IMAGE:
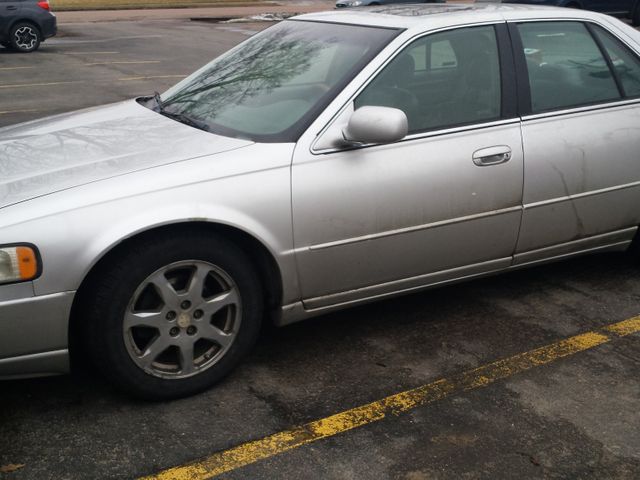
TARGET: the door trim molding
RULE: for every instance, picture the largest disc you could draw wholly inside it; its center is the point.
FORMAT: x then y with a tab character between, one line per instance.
576	196
416	228
406	285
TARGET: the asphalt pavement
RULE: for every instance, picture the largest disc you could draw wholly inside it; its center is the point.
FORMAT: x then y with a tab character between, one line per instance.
529	374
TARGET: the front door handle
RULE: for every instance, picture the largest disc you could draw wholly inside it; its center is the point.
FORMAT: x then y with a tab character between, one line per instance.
492	155
12	7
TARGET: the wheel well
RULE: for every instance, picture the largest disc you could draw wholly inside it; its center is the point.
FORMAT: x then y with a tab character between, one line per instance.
262	259
26	20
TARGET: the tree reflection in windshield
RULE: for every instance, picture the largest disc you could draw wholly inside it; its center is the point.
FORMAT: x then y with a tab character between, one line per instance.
266	87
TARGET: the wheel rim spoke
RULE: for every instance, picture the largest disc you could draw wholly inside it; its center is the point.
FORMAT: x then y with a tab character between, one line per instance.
220	301
143	319
153	350
196	283
186	357
213	333
169	296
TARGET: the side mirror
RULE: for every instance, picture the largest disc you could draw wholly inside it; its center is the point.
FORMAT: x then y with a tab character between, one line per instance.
372	124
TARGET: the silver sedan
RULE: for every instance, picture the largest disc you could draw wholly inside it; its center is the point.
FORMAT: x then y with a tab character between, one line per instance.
333	159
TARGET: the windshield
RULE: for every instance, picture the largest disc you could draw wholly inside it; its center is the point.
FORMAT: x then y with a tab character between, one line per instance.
270	87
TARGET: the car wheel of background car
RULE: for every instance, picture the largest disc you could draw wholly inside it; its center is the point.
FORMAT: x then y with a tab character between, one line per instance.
24	37
171	317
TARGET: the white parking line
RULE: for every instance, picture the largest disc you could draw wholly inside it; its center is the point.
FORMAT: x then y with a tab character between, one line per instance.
138	62
132	79
8	112
90	53
16	68
49	84
64	41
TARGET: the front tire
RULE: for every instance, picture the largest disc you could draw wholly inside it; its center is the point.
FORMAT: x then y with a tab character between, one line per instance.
24	37
173	316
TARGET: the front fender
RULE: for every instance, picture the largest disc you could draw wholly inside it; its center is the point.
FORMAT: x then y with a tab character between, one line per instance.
73	230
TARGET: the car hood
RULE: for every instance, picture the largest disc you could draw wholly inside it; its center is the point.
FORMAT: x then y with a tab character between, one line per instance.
46	156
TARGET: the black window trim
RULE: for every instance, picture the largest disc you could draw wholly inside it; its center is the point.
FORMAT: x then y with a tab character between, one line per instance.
607	59
524	89
508	74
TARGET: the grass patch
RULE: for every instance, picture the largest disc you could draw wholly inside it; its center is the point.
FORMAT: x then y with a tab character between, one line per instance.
68	5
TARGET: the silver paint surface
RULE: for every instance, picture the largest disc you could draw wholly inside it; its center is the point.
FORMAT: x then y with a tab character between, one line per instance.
343	226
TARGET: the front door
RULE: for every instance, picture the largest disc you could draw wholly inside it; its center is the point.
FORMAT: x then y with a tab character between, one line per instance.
443	203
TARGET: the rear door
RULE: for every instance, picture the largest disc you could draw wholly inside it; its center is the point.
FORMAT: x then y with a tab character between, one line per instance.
8	11
581	139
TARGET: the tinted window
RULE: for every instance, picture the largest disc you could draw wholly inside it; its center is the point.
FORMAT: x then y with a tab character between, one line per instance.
271	86
565	66
442	80
625	62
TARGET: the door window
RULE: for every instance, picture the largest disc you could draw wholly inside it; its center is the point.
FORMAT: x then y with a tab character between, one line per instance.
446	79
565	66
625	63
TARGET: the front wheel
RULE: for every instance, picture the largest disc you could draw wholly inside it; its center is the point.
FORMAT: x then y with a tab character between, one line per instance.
24	37
171	317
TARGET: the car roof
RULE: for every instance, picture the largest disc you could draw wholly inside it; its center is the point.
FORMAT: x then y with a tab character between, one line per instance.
442	15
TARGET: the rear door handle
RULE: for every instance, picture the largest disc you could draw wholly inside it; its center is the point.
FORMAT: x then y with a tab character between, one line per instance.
12	7
492	155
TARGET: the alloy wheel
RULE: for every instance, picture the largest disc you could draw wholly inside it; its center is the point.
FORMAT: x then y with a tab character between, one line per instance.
182	319
25	38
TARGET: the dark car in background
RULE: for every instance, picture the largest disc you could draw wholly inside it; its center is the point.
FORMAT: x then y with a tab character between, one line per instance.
24	24
619	8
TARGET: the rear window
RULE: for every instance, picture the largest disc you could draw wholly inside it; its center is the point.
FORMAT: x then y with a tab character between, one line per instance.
624	61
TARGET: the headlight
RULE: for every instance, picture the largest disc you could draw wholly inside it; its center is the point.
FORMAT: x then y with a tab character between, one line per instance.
18	263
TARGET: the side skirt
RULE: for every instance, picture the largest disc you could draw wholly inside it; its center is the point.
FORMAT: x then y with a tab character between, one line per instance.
618	241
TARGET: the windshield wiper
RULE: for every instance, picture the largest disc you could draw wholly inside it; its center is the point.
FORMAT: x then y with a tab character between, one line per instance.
159	103
178	117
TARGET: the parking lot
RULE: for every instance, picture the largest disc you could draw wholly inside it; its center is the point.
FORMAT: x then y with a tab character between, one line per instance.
95	63
529	374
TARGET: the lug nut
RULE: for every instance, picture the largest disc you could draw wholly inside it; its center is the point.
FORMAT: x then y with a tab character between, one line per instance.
198	314
171	315
174	331
185	305
191	330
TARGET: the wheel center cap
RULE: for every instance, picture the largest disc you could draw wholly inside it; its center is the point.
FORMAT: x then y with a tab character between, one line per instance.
184	320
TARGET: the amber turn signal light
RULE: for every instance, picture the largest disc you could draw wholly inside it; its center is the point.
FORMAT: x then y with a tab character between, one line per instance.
18	263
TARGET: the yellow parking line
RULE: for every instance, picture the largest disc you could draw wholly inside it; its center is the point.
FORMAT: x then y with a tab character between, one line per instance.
7	112
133	79
137	62
49	84
16	68
483	376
